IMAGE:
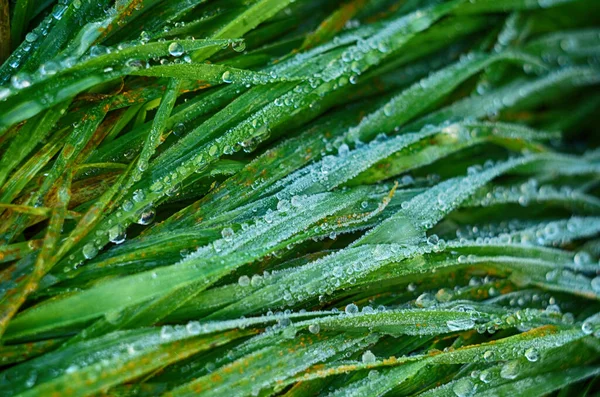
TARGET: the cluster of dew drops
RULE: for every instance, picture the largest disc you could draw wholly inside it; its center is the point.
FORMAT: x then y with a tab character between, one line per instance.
175	49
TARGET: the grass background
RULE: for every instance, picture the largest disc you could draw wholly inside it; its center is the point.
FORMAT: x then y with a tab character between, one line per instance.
299	198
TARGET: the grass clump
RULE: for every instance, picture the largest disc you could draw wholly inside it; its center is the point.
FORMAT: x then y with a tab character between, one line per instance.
299	198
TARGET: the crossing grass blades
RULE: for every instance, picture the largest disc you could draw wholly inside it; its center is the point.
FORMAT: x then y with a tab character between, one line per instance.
299	198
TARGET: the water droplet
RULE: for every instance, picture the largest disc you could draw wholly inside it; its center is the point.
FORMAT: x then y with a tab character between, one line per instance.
587	327
596	284
166	332
368	357
193	328
510	370
433	239
146	216
175	49
127	205
489	355
138	195
582	258
4	93
314	328
244	281
343	150
227	233
20	80
89	251
144	37
256	280
425	300
31	37
532	355
459	325
351	309
238	46
463	388
116	234
226	77
296	201
485	376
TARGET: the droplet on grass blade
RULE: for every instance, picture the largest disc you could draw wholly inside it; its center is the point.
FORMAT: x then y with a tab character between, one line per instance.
175	49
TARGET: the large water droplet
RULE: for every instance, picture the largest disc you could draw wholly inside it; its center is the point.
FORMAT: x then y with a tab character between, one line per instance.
463	388
368	357
238	46
510	370
226	77
461	324
244	281
146	216
532	354
89	251
351	309
175	49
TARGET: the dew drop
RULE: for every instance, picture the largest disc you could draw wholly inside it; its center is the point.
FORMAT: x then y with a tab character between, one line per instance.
596	284
510	370
587	327
175	49
31	37
144	37
256	280
116	234
368	357
459	325
485	376
138	195
532	355
463	388
227	233
146	216
433	239
425	300
351	309
226	77
193	328
89	251
582	258
20	80
166	332
4	93
244	281
238	46
314	328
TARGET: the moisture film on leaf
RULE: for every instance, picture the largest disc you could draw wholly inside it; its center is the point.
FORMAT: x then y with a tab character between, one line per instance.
299	198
